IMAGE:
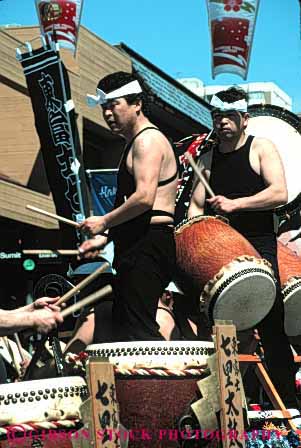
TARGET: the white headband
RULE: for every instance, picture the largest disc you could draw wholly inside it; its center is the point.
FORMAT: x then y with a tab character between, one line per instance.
241	105
102	97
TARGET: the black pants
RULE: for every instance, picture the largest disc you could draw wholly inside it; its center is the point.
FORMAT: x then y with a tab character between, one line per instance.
277	351
103	331
143	272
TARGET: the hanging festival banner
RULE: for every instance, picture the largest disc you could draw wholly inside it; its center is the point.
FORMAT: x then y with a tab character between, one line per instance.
232	24
103	187
60	18
50	93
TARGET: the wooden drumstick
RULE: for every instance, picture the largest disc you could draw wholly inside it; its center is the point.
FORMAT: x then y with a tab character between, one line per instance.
65	252
89	300
82	284
19	346
199	174
92	298
58	218
11	352
52	215
50	251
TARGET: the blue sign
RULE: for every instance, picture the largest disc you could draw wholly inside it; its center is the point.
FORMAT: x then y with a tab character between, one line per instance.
103	191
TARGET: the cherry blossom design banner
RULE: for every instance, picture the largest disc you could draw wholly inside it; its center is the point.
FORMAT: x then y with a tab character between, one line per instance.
232	24
60	18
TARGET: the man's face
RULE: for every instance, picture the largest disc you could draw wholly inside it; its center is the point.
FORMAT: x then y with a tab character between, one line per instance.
230	124
119	115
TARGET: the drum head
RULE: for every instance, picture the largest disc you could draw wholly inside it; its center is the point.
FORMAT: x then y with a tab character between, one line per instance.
283	129
244	302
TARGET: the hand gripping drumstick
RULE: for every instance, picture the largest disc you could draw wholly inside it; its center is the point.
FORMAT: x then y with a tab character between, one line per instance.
89	300
57	217
199	174
74	290
82	284
92	298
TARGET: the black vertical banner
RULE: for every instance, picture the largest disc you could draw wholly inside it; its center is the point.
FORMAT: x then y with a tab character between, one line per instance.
49	90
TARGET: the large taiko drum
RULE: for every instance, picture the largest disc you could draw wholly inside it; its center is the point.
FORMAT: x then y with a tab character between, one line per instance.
42	400
233	281
283	128
31	410
156	381
289	265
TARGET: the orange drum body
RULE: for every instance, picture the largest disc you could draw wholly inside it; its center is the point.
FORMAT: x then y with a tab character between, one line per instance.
234	282
290	278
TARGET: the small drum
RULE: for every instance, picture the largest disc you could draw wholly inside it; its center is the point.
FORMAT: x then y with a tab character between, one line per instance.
283	128
235	283
41	400
155	383
289	265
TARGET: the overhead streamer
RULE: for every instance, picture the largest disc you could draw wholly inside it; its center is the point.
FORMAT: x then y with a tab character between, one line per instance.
60	18
232	24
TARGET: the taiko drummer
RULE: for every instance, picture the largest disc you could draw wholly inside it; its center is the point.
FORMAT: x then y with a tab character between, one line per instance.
247	177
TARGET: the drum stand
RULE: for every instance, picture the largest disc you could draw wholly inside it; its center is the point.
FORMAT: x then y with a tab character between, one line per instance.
57	354
266	382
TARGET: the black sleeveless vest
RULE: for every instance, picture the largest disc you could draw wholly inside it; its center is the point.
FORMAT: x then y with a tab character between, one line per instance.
233	177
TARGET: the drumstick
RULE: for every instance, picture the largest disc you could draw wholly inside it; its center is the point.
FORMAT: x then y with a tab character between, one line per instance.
50	251
19	346
11	352
199	174
58	218
82	284
52	215
92	298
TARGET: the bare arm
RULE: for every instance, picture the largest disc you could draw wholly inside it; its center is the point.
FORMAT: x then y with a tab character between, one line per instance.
198	197
39	303
147	156
271	169
42	320
197	202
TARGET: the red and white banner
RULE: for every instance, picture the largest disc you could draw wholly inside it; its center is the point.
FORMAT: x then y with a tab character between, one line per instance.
232	24
60	18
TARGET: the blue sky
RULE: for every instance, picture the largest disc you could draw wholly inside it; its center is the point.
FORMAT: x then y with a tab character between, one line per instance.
174	35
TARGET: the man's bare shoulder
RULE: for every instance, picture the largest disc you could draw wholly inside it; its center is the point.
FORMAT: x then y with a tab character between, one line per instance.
262	142
264	146
151	138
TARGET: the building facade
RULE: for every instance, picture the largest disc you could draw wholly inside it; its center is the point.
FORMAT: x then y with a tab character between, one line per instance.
258	92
